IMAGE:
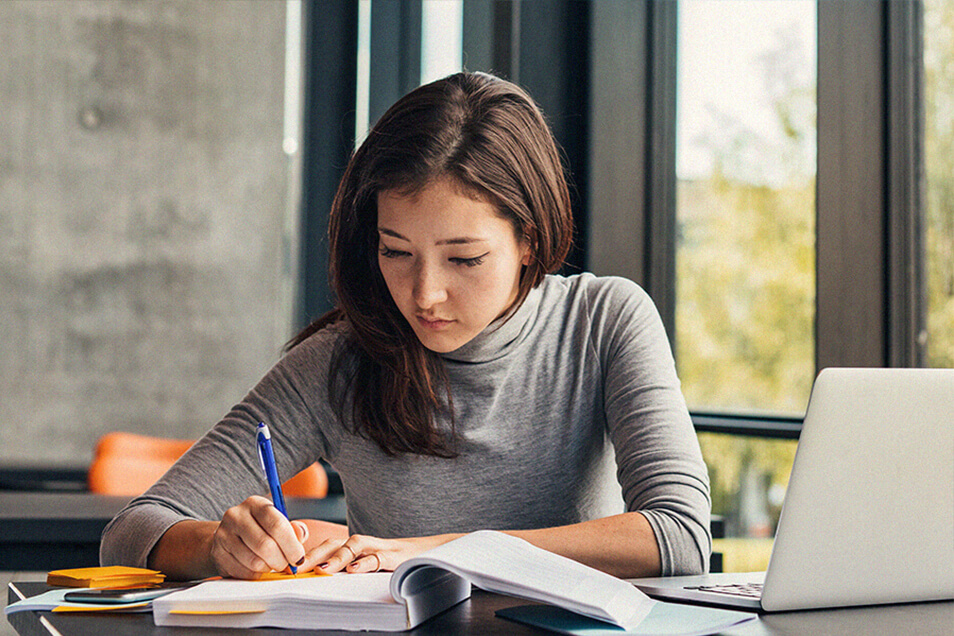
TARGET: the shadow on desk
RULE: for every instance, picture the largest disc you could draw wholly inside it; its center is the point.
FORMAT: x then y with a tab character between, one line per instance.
923	619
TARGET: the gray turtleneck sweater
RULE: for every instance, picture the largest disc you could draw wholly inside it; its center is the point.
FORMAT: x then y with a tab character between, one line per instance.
568	411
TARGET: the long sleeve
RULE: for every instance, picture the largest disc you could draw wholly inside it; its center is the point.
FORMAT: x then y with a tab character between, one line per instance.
659	462
222	469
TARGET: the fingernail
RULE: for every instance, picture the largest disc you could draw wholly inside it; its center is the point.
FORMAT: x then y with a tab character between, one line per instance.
300	561
323	566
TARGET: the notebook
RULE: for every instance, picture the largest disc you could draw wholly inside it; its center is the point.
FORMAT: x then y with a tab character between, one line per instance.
868	517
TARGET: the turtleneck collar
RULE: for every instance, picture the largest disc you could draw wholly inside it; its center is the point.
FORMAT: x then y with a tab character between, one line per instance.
500	336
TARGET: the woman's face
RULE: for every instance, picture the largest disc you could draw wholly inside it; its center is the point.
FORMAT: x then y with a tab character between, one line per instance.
451	263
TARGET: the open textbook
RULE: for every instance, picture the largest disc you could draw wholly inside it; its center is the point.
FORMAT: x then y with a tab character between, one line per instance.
418	589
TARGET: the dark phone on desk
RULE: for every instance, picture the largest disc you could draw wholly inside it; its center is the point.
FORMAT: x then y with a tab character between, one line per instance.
108	595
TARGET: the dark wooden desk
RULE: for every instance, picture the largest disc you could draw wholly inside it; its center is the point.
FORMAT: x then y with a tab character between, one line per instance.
49	531
476	616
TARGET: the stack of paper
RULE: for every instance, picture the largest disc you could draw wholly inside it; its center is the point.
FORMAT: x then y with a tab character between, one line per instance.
111	576
341	601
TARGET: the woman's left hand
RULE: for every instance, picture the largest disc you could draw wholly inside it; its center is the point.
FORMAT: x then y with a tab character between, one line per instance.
362	553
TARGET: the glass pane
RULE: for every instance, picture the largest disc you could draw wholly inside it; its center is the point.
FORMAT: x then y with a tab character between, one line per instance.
748	478
362	97
939	164
146	267
746	244
442	27
745	204
441	51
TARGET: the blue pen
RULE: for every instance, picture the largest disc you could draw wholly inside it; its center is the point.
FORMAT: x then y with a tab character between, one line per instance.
264	439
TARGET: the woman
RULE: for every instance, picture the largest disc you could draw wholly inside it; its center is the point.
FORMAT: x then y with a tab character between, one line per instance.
458	385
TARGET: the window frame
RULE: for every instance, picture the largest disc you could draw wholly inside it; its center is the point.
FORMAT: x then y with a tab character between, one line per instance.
329	88
869	303
609	89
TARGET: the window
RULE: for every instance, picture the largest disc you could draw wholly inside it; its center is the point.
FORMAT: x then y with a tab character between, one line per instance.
439	47
851	251
939	169
745	163
745	250
754	165
748	478
441	38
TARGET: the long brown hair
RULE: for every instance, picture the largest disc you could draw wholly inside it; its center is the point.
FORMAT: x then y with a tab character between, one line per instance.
488	136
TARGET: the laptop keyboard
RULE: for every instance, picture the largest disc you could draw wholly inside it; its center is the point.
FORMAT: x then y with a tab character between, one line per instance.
747	590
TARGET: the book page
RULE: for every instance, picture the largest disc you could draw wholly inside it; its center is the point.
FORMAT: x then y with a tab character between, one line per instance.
501	563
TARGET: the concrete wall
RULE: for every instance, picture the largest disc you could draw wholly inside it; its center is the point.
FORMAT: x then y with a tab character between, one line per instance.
144	270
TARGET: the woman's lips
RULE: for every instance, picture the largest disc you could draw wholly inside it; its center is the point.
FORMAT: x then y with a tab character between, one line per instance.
433	323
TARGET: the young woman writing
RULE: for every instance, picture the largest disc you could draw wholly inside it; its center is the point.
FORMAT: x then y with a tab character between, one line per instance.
458	385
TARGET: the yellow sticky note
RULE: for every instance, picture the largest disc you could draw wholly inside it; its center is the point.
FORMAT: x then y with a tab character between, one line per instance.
109	576
100	608
280	576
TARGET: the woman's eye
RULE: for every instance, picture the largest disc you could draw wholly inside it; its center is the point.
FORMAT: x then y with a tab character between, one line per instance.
387	252
469	262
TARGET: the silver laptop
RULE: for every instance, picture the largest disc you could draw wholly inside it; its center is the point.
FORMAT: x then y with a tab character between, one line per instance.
868	517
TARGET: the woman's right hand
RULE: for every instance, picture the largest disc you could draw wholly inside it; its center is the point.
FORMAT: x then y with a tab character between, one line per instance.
254	538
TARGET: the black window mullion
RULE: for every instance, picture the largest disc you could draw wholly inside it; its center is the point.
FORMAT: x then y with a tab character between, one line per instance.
905	176
660	198
870	309
329	89
632	148
851	187
395	53
619	140
491	37
552	63
765	426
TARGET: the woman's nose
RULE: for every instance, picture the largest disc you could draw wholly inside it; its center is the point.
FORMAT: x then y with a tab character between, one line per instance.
429	287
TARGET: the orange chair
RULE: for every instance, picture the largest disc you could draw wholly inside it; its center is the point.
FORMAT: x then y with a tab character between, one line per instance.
127	464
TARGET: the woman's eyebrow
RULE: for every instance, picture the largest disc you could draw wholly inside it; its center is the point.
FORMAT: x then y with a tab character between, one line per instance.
462	240
386	231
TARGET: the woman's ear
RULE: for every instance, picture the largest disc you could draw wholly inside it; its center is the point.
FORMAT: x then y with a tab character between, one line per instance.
527	250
